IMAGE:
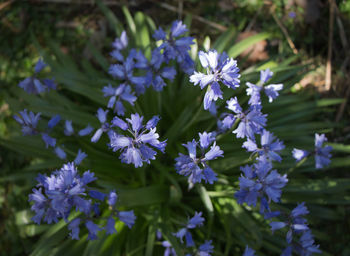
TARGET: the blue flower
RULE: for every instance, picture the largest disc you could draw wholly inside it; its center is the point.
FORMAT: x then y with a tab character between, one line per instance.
220	68
322	154
93	230
117	96
53	121
121	42
296	223
196	168
169	250
156	74
136	149
271	90
49	141
105	127
196	221
34	85
206	249
176	47
308	246
73	226
28	122
251	122
124	72
128	217
86	131
299	154
63	190
112	198
248	251
80	157
259	181
269	146
60	153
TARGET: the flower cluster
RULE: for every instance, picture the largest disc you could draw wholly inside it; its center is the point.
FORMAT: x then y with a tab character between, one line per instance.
297	227
259	181
271	90
251	122
322	154
176	46
65	191
197	168
220	68
34	85
56	196
136	149
29	122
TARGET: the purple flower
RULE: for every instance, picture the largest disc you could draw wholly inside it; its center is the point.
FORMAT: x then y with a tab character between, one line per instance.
80	157
299	154
49	141
86	131
271	90
102	117
175	46
68	128
220	68
206	249
259	181
136	149
34	85
269	146
93	230
196	167
110	226
73	226
117	96
251	122
28	122
124	72
248	251
196	221
169	250
121	42
322	154
60	153
53	121
128	217
156	74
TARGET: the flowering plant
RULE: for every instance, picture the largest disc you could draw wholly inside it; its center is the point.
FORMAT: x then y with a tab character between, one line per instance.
148	109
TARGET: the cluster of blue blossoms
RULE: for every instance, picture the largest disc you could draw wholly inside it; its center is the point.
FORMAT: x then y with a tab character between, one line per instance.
197	168
56	196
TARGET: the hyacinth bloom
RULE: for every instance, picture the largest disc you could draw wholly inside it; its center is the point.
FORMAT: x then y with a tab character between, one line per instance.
297	226
206	249
196	221
156	74
248	251
259	181
138	148
28	122
57	194
105	127
271	90
220	68
176	46
196	167
322	154
117	96
34	85
269	146
251	122
121	42
124	72
299	154
64	191
295	222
